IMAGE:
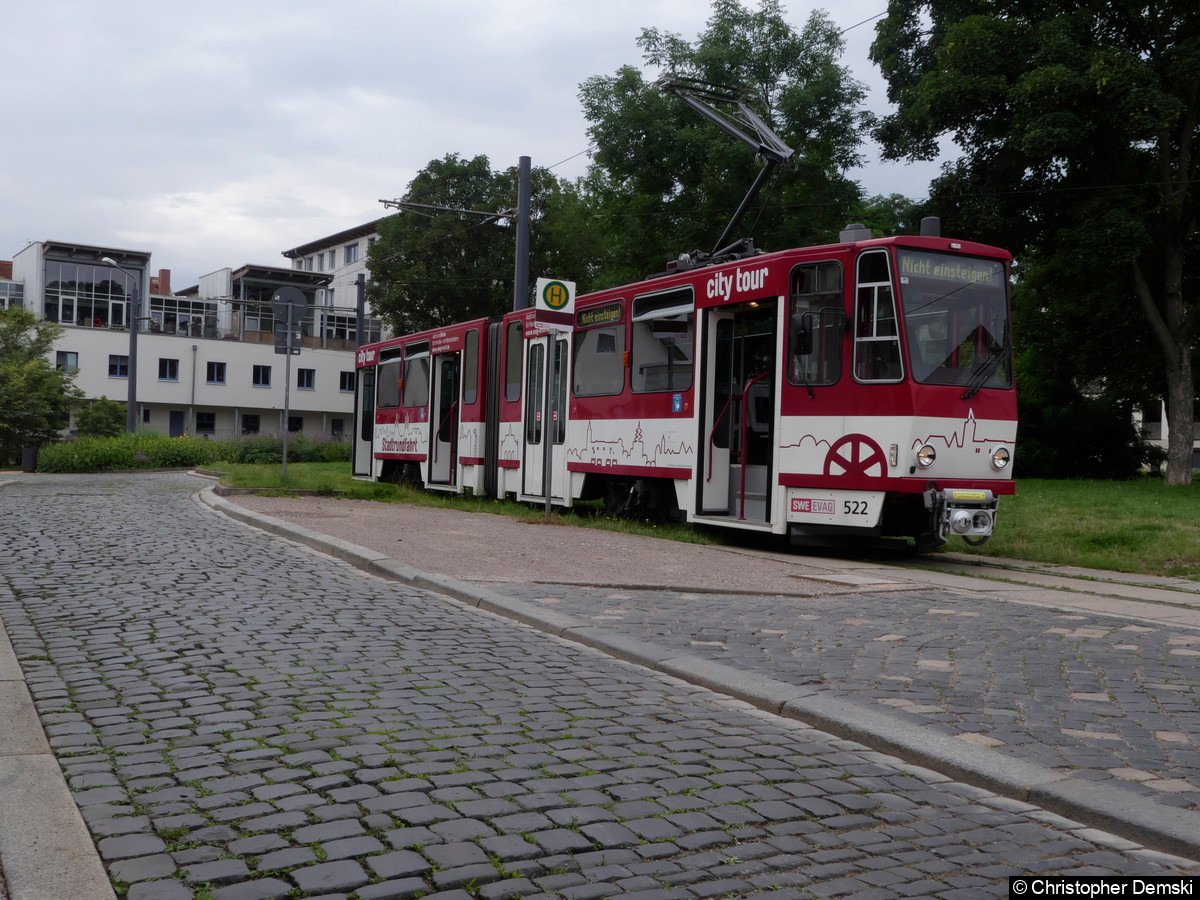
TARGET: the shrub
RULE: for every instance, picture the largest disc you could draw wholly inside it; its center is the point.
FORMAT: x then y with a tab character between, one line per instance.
87	455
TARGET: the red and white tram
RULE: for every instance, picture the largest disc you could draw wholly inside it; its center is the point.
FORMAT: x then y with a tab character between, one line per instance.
859	388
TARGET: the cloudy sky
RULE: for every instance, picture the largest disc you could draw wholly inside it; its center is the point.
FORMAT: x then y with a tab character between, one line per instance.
220	133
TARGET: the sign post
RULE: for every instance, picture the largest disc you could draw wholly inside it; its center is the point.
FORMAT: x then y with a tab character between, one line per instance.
554	308
290	305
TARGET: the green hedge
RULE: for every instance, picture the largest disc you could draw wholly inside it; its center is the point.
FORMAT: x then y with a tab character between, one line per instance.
147	450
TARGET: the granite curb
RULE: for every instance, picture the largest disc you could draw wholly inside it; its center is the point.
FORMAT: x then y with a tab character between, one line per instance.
1113	809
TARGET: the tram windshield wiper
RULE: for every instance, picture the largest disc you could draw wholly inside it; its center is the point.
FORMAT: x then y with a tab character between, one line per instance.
985	369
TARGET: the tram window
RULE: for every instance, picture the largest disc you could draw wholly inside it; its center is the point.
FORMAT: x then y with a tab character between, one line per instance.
512	361
816	324
661	357
876	336
599	367
416	374
471	367
388	396
661	341
955	318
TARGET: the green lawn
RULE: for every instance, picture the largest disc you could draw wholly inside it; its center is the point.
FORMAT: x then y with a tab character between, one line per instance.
1126	526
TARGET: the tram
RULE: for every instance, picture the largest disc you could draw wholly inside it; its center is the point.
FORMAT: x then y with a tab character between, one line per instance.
860	388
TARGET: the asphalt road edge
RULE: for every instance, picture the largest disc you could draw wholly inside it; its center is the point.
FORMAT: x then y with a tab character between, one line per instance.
1110	808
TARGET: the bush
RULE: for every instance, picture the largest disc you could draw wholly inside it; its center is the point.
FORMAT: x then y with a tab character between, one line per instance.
87	455
101	418
143	450
268	448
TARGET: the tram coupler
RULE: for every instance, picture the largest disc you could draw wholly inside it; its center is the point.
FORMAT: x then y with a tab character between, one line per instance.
967	513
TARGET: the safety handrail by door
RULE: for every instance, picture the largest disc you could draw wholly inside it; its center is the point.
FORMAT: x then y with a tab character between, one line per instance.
449	414
712	434
745	397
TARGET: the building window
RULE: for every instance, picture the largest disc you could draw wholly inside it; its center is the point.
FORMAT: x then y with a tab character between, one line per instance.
295	423
262	376
168	369
216	373
337	427
249	424
332	260
67	361
306	379
351	254
346	383
206	423
118	366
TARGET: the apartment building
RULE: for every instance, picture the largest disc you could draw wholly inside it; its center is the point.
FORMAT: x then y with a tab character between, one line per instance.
204	360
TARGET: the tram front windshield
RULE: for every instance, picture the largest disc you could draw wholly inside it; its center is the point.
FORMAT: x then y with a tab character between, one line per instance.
956	319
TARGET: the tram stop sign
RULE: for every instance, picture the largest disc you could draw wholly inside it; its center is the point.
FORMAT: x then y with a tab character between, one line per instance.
288	304
555	303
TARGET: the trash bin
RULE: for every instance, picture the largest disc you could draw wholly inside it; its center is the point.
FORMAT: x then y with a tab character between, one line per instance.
29	459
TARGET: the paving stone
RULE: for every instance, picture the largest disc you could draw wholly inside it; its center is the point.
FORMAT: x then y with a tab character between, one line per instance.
221	871
159	890
286	859
130	845
343	875
400	889
258	889
399	863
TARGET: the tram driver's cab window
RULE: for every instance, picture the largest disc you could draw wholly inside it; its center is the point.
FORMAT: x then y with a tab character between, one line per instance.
876	335
816	324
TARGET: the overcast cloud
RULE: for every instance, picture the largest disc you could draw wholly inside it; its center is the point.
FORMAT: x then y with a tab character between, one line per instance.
220	133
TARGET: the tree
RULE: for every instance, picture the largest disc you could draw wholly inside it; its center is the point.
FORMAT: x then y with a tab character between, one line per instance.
1079	125
101	418
665	181
35	397
439	262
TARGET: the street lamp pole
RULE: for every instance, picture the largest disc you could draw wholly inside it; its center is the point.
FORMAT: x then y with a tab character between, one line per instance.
131	399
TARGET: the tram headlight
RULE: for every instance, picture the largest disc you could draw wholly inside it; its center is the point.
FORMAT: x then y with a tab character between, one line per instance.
926	456
1000	458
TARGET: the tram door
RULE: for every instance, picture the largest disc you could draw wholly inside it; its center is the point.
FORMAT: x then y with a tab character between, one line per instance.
540	425
364	419
443	435
738	425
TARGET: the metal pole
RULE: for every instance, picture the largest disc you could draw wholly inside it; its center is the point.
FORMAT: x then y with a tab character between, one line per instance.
131	417
521	271
360	315
131	422
548	431
287	387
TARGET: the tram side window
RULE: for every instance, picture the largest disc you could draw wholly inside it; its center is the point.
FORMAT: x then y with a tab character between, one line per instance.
513	346
816	323
388	396
876	337
599	362
661	341
471	367
416	374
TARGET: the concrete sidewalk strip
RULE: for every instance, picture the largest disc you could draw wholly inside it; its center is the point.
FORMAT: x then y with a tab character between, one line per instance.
1104	806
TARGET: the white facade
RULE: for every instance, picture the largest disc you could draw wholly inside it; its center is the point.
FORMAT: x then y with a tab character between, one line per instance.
342	256
206	360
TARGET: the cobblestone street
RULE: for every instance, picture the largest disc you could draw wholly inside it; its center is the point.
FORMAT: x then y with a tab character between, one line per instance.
240	718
